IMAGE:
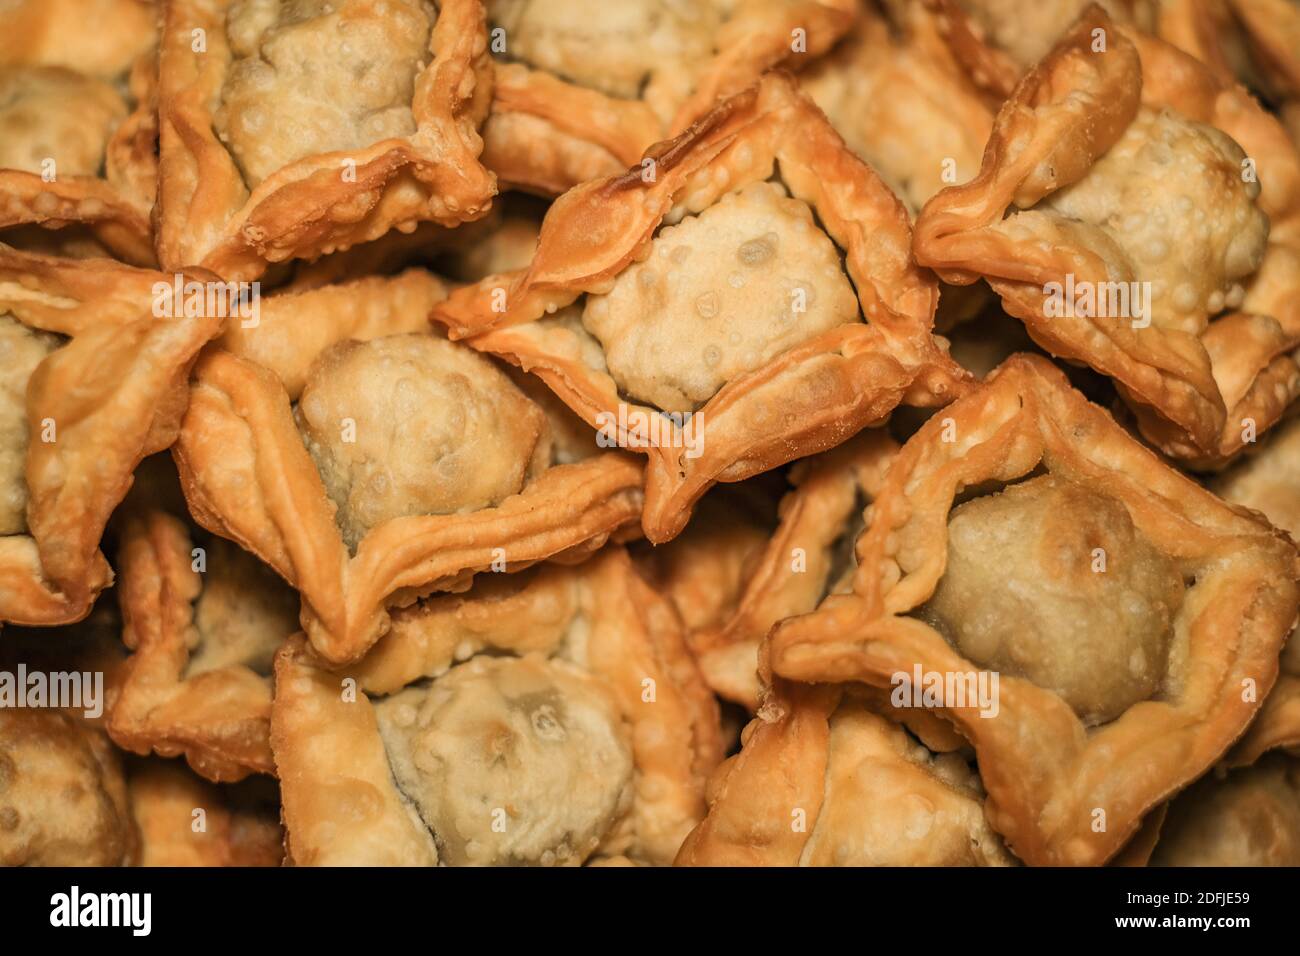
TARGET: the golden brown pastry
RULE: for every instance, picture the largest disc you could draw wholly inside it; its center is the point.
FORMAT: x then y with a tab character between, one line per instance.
823	780
63	799
902	104
369	464
303	128
699	314
1273	29
1099	157
1269	482
807	556
186	821
203	620
552	718
78	139
1098	626
94	380
95	37
583	88
997	41
1248	817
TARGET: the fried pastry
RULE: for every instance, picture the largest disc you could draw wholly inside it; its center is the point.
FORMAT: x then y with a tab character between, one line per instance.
203	620
1095	162
184	820
300	129
94	382
63	798
369	464
584	88
731	340
1248	817
553	717
809	555
1273	31
998	41
1269	482
77	138
706	570
1130	619
902	104
822	780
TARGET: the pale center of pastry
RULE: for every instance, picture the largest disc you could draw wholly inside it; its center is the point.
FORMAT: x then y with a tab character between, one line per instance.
1171	195
61	793
242	615
511	760
925	810
51	114
411	425
1027	29
1251	818
611	47
319	76
719	295
1051	581
21	350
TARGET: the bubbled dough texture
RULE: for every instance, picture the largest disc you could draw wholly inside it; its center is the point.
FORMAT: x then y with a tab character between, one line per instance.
62	798
21	350
53	113
438	430
719	296
1020	595
612	47
1250	818
1170	195
538	739
877	813
242	615
319	76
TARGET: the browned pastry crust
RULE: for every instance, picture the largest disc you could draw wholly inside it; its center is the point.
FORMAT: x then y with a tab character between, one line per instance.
1060	791
821	780
1137	852
597	624
808	398
63	798
191	686
113	394
997	41
207	213
798	565
59	55
239	825
546	134
1269	482
1248	817
1273	27
902	104
248	476
1200	388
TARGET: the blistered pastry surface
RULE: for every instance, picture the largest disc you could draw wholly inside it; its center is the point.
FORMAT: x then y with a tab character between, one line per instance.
721	293
1172	196
319	76
412	424
511	761
1051	581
